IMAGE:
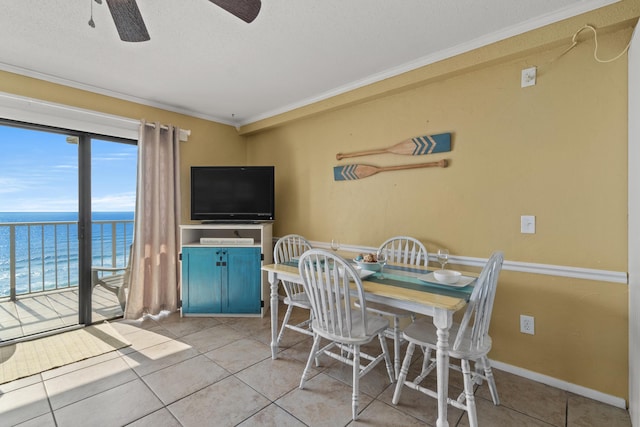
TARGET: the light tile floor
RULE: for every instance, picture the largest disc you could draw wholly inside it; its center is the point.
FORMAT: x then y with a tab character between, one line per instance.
218	372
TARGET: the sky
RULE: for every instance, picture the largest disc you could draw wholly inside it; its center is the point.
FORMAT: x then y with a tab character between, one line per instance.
39	173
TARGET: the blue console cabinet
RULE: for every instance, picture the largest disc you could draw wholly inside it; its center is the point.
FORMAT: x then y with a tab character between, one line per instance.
221	280
221	273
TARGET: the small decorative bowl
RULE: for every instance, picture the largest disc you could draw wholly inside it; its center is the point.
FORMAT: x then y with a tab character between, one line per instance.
447	276
371	266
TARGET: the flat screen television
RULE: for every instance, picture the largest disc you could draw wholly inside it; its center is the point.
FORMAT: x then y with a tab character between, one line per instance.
233	193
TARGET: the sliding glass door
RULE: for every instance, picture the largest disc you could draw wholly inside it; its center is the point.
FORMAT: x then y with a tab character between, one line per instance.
50	236
113	190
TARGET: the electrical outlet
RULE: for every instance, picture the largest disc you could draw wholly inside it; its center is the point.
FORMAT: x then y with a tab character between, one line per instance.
528	77
527	324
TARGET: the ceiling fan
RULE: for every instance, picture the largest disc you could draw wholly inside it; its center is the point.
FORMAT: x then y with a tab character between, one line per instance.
130	24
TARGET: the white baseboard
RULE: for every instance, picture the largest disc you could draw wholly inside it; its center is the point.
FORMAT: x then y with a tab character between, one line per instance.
616	401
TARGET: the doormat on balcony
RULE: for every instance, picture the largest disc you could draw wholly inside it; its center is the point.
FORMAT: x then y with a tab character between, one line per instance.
31	357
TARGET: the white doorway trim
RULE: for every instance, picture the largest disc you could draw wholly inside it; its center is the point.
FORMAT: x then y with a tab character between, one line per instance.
31	110
634	228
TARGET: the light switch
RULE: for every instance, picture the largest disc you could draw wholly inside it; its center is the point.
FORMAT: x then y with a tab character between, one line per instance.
527	224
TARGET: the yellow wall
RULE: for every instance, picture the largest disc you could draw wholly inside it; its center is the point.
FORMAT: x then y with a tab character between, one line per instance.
556	150
210	143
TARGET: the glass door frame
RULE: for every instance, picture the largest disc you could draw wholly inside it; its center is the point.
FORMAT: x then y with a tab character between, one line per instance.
84	206
84	230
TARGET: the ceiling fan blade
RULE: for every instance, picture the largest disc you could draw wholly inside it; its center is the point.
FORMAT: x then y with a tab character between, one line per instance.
247	10
128	20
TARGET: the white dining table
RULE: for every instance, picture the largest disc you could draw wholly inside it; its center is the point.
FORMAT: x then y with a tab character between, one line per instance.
423	301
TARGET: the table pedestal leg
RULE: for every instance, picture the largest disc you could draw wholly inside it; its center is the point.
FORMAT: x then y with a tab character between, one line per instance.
274	315
443	320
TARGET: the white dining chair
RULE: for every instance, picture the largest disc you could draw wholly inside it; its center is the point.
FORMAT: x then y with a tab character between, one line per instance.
472	343
332	284
403	250
286	248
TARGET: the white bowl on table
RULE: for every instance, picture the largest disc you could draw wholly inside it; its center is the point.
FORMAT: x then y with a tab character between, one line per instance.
371	266
447	276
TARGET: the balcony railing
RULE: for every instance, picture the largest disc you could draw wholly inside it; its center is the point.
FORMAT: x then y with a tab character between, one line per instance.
43	256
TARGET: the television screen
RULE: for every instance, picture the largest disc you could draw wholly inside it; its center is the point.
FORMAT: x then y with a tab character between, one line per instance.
232	193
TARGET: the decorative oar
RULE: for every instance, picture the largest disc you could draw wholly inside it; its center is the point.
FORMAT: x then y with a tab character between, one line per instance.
351	172
417	146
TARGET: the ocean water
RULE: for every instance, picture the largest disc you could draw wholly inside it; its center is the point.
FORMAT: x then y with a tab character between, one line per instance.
46	247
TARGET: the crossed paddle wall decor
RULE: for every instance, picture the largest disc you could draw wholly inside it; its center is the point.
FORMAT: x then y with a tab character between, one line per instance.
417	146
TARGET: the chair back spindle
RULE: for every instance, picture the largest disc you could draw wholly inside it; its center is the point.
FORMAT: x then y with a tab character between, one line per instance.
286	248
405	250
327	279
480	306
289	246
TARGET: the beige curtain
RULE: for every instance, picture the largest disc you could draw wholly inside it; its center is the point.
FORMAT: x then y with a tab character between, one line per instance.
154	283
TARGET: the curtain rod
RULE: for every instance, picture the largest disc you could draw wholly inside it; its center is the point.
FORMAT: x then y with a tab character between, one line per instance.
184	133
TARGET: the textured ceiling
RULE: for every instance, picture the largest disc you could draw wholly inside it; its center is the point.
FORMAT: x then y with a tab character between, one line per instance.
205	62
